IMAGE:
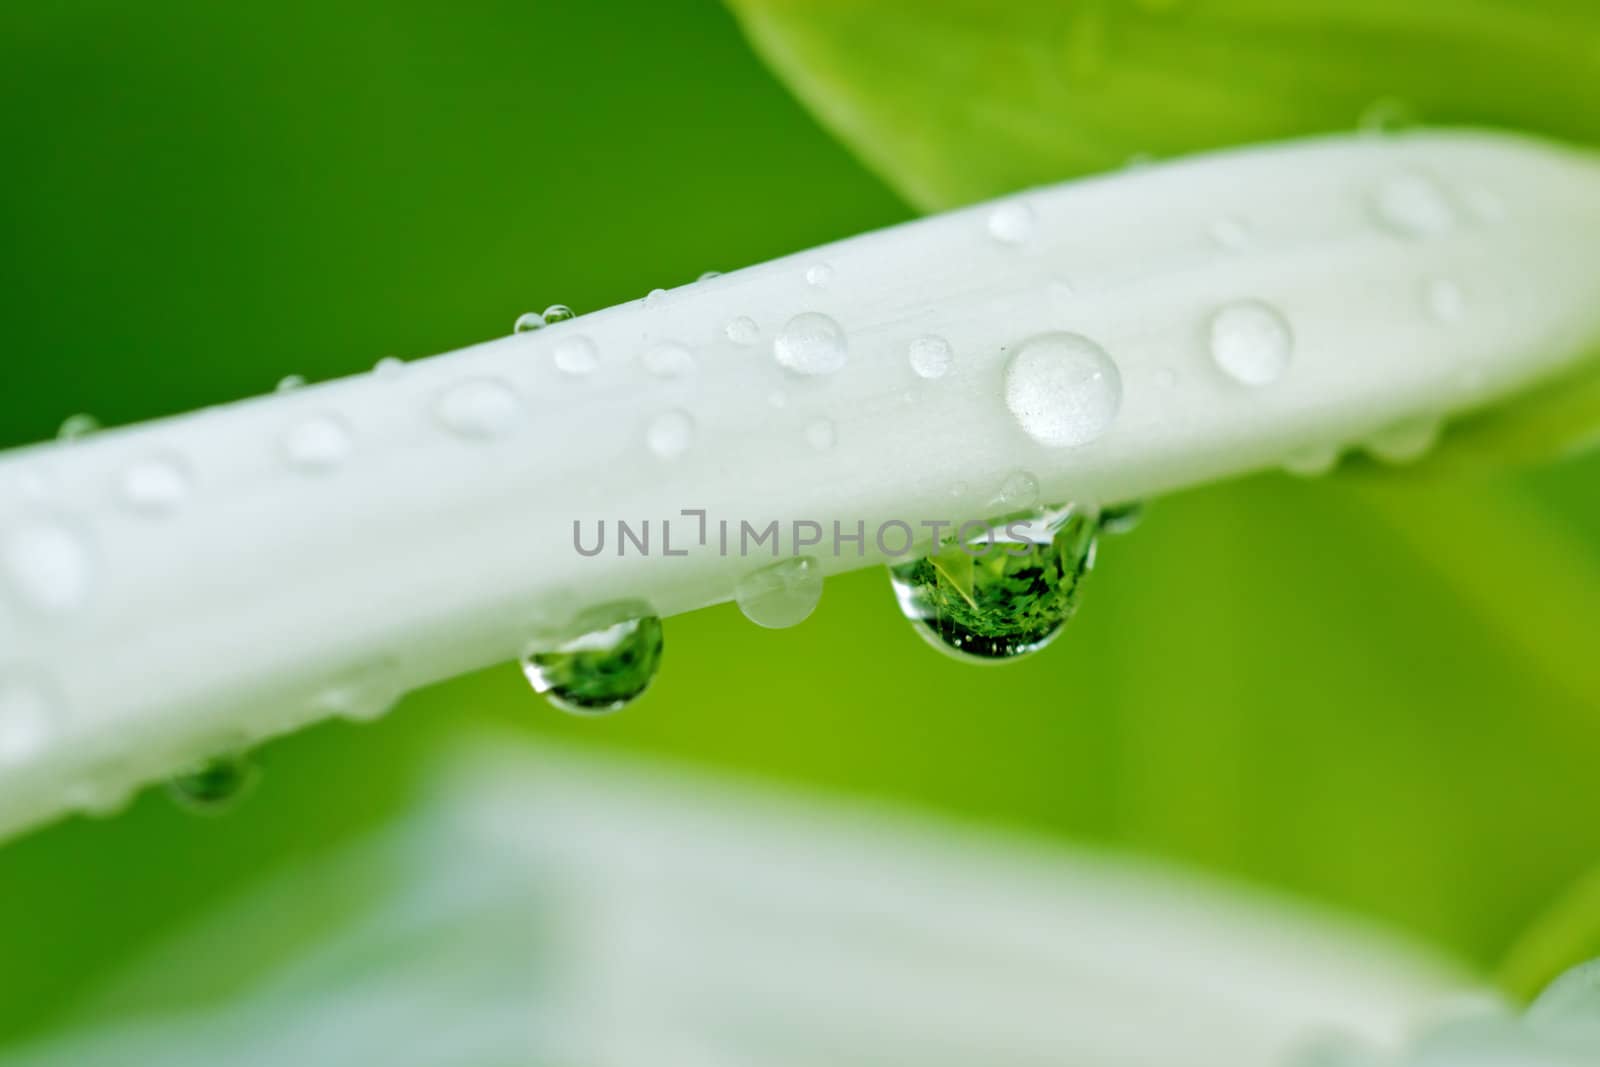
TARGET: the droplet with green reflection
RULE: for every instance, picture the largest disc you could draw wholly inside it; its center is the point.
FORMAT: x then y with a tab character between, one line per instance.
606	660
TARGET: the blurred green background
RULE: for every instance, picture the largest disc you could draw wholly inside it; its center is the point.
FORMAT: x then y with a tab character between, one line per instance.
1371	693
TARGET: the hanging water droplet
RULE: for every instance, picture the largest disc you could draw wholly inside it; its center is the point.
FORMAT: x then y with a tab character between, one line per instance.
288	383
781	595
811	344
1404	442
608	660
362	693
1312	461
820	434
1019	490
1387	116
30	715
670	434
1413	205
742	330
669	359
480	409
576	355
527	322
1063	389
214	786
557	313
389	367
76	427
1231	234
1122	518
49	566
931	356
1445	300
155	486
819	275
317	445
1251	342
1012	223
1003	595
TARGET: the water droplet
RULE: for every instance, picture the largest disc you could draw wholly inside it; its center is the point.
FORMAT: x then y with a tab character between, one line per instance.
781	595
317	444
1012	223
1231	234
1063	389
1387	116
527	322
155	486
214	786
819	275
608	662
669	359
1122	518
1019	490
1312	461
742	330
1251	342
30	714
1445	300
654	297
49	566
1413	205
480	409
363	693
811	344
76	427
389	367
820	434
931	356
708	275
289	383
558	313
1003	595
670	434
1404	442
576	355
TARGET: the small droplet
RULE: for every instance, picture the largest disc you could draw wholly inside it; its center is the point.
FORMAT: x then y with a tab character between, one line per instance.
362	693
669	359
557	313
317	444
1231	234
527	322
654	297
931	356
155	486
49	566
1063	389
820	434
1387	116
30	714
1020	490
708	275
1445	300
1251	342
576	356
214	786
1404	442
819	275
76	427
389	367
1413	205
742	330
1012	223
480	409
1312	461
289	383
1122	518
608	662
811	344
670	434
781	595
1003	595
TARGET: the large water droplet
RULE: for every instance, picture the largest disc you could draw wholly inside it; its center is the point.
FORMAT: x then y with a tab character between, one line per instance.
669	359
1413	205
30	714
49	566
819	275
214	786
481	409
742	330
811	343
317	444
76	427
1012	223
1002	595
1251	342
155	486
781	595
1063	389
670	434
557	313
1445	300
931	356
608	660
576	355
